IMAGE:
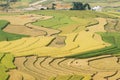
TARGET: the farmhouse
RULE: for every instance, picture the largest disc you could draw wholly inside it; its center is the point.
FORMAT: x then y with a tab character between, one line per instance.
97	8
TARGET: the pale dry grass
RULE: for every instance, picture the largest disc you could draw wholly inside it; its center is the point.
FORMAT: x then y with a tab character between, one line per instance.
29	64
28	42
21	19
99	27
42	41
86	42
48	66
115	76
102	75
104	63
12	44
19	62
55	64
18	75
38	65
74	43
4	44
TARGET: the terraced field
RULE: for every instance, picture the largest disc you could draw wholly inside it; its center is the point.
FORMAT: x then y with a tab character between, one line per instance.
7	36
43	68
60	46
74	43
23	25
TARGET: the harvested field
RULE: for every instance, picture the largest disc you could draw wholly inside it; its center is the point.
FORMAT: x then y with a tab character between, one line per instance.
24	30
22	24
54	46
43	68
99	27
62	46
49	31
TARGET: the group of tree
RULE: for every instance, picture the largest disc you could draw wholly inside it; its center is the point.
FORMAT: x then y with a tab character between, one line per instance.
80	6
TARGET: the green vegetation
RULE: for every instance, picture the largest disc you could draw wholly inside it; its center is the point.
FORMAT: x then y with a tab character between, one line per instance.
57	21
111	37
76	77
63	18
62	77
1	55
6	63
5	35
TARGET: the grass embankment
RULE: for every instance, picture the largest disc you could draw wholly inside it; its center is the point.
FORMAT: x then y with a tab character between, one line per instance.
6	63
7	36
113	38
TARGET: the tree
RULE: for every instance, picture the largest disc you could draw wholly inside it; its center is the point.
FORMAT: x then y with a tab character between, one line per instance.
80	6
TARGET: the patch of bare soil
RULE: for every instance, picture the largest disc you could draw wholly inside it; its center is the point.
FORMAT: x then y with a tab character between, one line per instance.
59	41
